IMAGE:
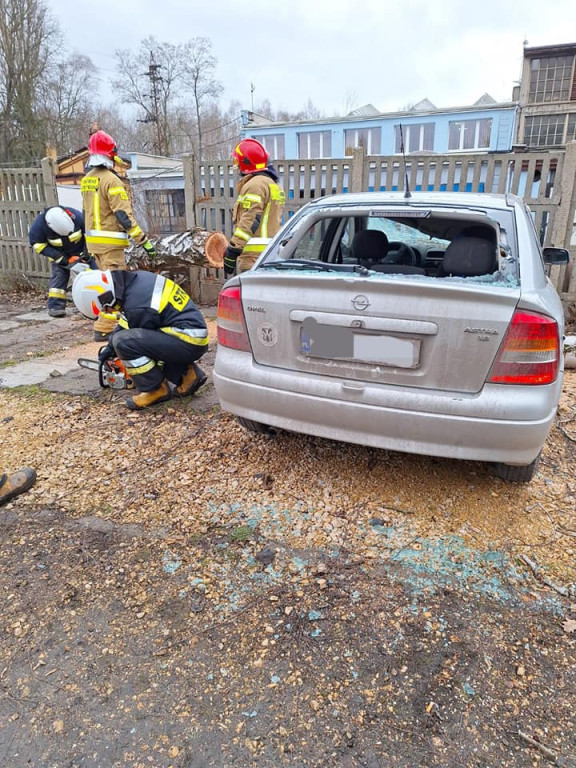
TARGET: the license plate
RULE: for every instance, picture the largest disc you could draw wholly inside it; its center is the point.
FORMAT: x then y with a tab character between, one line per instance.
338	343
387	350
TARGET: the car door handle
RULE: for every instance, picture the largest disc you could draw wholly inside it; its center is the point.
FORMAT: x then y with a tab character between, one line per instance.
353	387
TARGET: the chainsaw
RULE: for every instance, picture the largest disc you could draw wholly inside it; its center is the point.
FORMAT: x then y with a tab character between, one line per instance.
111	373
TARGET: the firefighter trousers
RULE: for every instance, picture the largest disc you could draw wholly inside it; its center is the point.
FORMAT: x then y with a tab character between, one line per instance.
57	288
114	258
151	356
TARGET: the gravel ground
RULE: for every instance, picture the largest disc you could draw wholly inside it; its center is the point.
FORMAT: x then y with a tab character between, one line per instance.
180	592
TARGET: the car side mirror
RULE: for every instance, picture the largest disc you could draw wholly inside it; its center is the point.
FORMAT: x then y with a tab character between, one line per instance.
556	255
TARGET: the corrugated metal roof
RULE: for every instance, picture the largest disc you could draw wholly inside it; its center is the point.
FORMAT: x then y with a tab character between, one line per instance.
368	110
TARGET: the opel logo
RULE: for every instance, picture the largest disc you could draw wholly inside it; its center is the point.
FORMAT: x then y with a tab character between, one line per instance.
360	302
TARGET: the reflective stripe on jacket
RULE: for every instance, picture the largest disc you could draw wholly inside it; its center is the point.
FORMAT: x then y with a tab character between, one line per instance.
257	213
152	301
57	247
103	197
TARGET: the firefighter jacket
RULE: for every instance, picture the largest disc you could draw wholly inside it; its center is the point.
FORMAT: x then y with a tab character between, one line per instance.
148	300
58	248
108	212
257	212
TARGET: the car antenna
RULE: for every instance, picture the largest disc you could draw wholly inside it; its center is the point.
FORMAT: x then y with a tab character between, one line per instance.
406	182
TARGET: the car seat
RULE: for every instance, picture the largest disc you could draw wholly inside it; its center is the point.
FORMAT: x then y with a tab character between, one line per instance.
469	257
369	246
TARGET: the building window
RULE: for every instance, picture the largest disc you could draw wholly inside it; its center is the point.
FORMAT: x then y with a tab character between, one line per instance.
469	134
165	211
369	138
546	130
274	145
314	144
550	79
571	132
418	137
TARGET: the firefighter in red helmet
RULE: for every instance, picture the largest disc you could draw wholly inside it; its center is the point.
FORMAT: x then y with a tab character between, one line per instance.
257	212
108	215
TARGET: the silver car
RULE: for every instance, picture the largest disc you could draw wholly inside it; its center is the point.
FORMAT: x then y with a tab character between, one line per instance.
423	324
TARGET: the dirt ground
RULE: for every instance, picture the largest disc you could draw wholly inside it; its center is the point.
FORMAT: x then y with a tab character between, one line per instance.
178	592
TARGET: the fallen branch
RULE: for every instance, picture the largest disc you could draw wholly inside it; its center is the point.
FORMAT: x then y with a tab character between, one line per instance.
537	571
566	435
536	744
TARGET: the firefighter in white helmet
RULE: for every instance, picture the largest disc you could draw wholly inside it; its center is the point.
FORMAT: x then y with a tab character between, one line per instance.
160	332
109	217
58	234
257	213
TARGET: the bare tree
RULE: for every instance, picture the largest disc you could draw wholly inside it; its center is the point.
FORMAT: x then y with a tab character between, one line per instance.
149	79
200	65
29	43
67	96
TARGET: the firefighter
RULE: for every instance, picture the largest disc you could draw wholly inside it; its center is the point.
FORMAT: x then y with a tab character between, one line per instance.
258	209
58	234
12	485
160	332
108	214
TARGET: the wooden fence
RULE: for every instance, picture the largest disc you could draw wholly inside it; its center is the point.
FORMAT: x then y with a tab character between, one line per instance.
24	193
545	180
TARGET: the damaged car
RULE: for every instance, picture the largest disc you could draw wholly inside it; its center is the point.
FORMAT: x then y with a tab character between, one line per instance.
424	323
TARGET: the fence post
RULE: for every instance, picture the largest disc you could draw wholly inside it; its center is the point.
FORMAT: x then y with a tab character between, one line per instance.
564	219
189	169
49	181
357	170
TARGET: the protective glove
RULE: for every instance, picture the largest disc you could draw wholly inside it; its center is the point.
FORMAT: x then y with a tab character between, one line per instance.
63	260
106	353
149	248
230	257
84	257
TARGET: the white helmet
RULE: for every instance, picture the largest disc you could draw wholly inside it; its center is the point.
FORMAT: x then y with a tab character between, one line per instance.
59	221
93	290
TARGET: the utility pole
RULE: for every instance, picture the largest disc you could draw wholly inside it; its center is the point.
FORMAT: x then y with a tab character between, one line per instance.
153	114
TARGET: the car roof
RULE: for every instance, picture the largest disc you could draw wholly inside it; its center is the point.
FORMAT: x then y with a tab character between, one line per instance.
456	199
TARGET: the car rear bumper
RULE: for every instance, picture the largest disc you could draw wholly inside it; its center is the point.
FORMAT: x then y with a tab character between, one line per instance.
489	426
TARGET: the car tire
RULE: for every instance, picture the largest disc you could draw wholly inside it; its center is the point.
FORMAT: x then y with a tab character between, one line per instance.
515	474
256	426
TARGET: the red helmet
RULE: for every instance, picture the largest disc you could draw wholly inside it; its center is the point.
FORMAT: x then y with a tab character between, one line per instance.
250	156
102	144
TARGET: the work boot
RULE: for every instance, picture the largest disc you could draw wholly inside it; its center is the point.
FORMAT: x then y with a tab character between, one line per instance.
192	380
17	483
145	399
101	336
57	312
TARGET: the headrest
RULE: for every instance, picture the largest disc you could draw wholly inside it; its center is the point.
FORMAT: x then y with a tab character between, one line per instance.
369	245
469	257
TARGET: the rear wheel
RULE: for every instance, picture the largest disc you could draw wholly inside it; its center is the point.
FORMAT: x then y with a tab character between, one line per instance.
256	426
514	474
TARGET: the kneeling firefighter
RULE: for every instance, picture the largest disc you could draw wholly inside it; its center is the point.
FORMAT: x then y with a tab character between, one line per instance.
160	332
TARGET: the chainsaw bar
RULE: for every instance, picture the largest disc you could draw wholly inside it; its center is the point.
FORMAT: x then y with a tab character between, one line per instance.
93	365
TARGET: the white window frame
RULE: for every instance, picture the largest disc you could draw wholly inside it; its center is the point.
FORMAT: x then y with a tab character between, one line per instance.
271	142
462	132
374	136
408	130
325	137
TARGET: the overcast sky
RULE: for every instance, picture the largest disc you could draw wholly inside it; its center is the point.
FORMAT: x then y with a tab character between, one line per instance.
341	54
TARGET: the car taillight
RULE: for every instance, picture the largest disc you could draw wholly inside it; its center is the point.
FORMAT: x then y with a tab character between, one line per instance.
232	330
530	352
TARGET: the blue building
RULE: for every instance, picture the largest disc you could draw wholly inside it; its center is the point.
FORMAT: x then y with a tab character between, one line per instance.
486	126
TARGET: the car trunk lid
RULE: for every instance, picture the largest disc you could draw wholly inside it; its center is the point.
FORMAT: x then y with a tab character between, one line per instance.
430	334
